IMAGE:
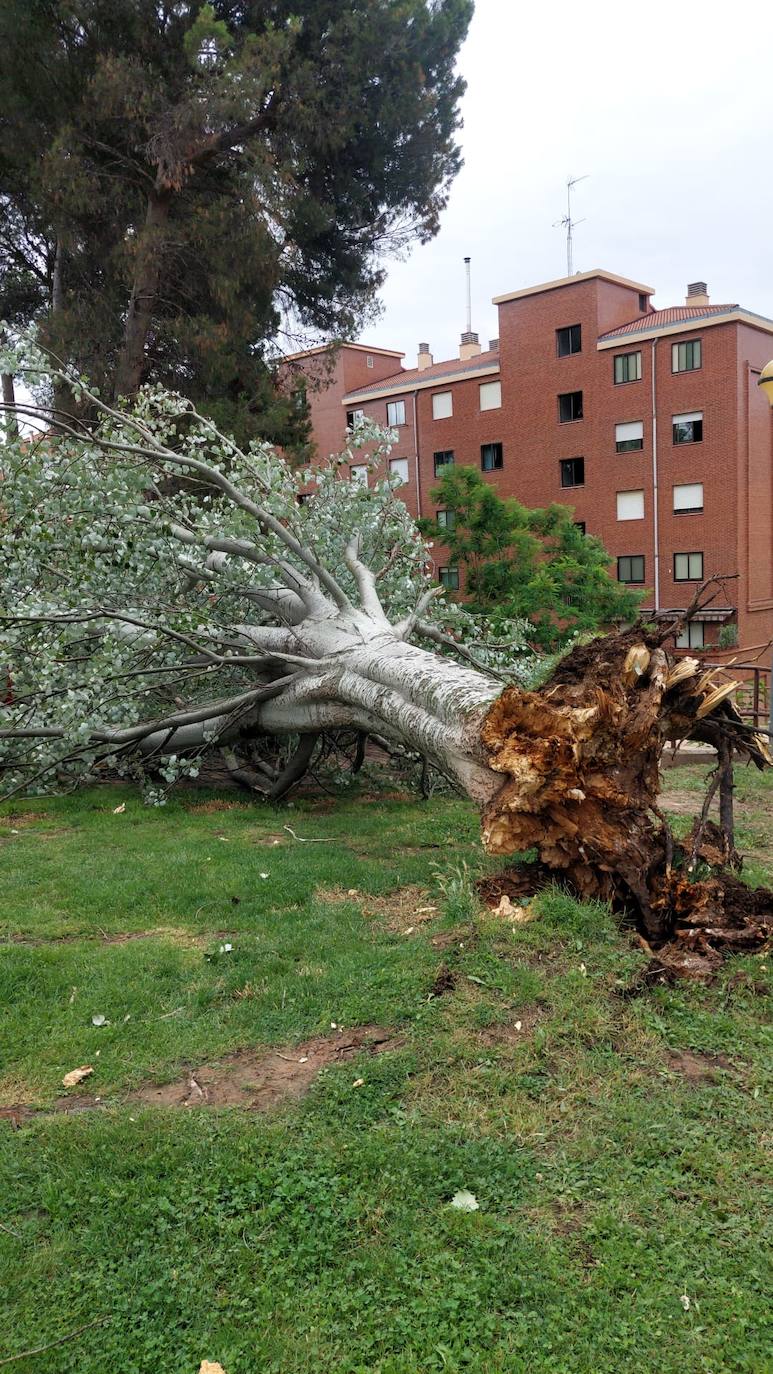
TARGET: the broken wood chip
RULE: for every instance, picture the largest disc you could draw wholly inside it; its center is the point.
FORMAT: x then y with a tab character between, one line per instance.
76	1076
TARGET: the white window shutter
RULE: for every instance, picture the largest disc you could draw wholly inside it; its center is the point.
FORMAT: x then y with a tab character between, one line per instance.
490	395
442	405
634	430
689	496
630	505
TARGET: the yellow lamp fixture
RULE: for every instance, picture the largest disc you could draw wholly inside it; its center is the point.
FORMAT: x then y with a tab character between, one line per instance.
765	380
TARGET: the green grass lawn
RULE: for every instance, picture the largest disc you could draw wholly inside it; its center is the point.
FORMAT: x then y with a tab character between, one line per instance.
616	1136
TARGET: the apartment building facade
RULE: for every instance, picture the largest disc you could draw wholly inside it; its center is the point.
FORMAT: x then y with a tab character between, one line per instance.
648	423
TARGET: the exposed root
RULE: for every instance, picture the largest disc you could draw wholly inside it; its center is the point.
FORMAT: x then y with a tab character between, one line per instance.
581	758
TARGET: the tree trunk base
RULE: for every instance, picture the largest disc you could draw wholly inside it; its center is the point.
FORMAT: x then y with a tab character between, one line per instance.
581	758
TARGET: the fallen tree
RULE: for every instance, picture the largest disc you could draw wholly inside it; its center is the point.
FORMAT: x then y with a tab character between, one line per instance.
156	565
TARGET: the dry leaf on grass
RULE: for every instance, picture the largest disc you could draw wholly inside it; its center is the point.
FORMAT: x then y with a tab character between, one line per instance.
211	1367
76	1076
464	1201
119	810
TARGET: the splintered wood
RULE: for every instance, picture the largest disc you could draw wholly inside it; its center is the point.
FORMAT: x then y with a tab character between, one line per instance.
581	758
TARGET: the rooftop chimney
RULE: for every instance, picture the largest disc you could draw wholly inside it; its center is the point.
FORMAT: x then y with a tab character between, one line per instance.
470	345
493	345
697	293
424	359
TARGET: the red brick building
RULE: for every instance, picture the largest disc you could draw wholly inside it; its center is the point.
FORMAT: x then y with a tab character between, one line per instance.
649	423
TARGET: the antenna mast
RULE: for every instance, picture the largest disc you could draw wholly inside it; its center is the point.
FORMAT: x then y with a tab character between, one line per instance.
568	223
469	295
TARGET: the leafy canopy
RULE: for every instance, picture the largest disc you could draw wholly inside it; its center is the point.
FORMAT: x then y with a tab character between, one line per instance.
284	149
535	565
131	581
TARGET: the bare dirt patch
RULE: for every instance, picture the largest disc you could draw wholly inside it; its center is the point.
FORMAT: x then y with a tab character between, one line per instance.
124	937
697	1067
401	910
512	1032
256	1080
209	808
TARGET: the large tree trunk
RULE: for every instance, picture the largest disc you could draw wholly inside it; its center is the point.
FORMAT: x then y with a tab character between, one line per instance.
9	403
147	279
571	770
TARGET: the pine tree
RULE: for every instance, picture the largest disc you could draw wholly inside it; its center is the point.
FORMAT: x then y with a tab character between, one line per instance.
534	564
195	179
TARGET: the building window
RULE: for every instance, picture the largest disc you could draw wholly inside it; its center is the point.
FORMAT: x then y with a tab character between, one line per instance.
449	578
490	395
369	360
642	302
443	459
398	467
686	357
395	413
631	568
629	437
688	429
688	567
688	499
691	636
446	518
572	472
353	417
490	457
359	474
627	368
304	497
442	405
630	505
580	525
569	407
569	340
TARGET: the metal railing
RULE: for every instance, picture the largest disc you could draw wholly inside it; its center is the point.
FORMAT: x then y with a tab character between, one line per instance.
754	696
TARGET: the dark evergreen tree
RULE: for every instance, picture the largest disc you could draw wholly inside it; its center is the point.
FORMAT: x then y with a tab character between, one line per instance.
184	181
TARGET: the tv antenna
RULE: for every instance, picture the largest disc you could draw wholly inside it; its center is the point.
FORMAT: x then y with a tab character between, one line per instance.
569	224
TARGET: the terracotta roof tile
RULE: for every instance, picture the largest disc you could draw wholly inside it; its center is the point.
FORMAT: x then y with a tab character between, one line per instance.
438	372
674	314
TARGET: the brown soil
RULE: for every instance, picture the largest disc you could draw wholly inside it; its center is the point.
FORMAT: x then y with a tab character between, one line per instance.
255	1080
515	883
502	1035
207	808
402	910
179	937
697	1067
445	981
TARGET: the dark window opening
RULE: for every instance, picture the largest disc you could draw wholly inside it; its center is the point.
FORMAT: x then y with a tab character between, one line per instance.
490	457
688	429
580	525
449	578
569	340
630	568
642	301
572	472
569	406
443	459
446	518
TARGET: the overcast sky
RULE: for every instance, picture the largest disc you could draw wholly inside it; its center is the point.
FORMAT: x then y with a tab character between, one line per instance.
665	107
